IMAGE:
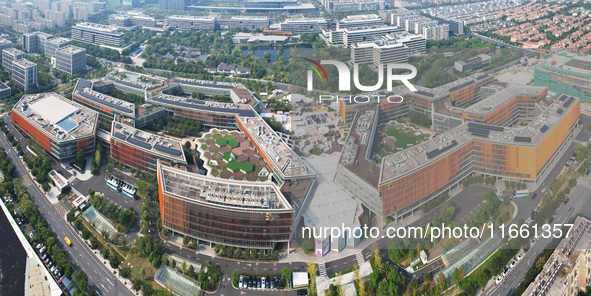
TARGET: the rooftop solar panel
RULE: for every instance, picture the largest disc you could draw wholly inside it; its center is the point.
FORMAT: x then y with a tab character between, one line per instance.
168	150
139	143
486	126
568	102
481	77
240	112
562	98
435	152
522	139
203	84
103	102
137	136
424	93
119	136
83	83
125	83
559	111
461	86
544	128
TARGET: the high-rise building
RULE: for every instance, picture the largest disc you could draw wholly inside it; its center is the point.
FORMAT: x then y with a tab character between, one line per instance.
98	34
438	32
389	49
10	55
35	41
58	17
70	59
24	74
44	4
55	43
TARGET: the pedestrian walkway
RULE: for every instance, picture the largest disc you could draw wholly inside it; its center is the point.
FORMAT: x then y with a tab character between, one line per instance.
321	269
360	259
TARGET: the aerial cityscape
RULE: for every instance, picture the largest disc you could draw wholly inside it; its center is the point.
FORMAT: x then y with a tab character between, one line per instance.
295	147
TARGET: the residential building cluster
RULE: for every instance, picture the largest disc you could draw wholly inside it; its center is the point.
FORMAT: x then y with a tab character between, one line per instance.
469	13
412	21
24	17
568	31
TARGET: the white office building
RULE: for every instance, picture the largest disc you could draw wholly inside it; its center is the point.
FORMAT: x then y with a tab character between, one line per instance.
70	59
24	74
98	34
189	22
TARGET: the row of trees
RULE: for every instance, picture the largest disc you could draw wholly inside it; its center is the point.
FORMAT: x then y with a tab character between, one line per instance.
105	53
113	211
177	126
39	224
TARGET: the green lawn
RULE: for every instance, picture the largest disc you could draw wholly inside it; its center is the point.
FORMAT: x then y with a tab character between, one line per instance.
402	140
245	166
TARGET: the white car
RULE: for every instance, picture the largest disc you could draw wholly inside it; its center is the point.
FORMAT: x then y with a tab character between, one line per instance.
520	256
512	264
499	279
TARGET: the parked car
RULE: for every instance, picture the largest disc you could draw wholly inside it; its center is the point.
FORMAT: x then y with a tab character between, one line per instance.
303	292
240	282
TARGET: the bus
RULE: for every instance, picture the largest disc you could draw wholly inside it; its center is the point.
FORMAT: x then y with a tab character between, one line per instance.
68	241
522	193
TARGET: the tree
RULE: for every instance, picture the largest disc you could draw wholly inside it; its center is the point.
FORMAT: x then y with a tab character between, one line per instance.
143	273
191	271
286	274
235	278
462	273
312	269
456	276
184	267
80	280
80	160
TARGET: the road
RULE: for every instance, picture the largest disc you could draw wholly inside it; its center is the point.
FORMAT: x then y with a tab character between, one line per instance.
80	253
526	51
579	203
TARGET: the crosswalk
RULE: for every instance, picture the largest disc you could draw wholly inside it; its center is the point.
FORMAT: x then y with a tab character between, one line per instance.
60	209
322	269
360	259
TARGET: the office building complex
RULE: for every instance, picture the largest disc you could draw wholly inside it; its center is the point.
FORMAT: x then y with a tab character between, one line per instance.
35	42
128	20
59	125
473	63
566	73
245	22
511	134
304	25
233	213
10	55
349	36
340	6
97	34
188	22
210	114
142	150
363	20
53	44
389	49
70	59
24	74
288	6
567	271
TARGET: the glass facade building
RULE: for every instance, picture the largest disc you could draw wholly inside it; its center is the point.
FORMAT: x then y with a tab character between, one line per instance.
229	212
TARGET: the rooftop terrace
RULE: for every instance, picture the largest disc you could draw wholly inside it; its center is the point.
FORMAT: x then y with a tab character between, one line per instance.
84	89
276	151
231	194
56	116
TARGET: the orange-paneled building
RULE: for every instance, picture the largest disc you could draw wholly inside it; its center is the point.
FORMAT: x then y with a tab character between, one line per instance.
59	125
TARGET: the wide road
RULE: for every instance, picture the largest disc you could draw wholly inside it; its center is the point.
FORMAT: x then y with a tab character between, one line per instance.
578	203
81	254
